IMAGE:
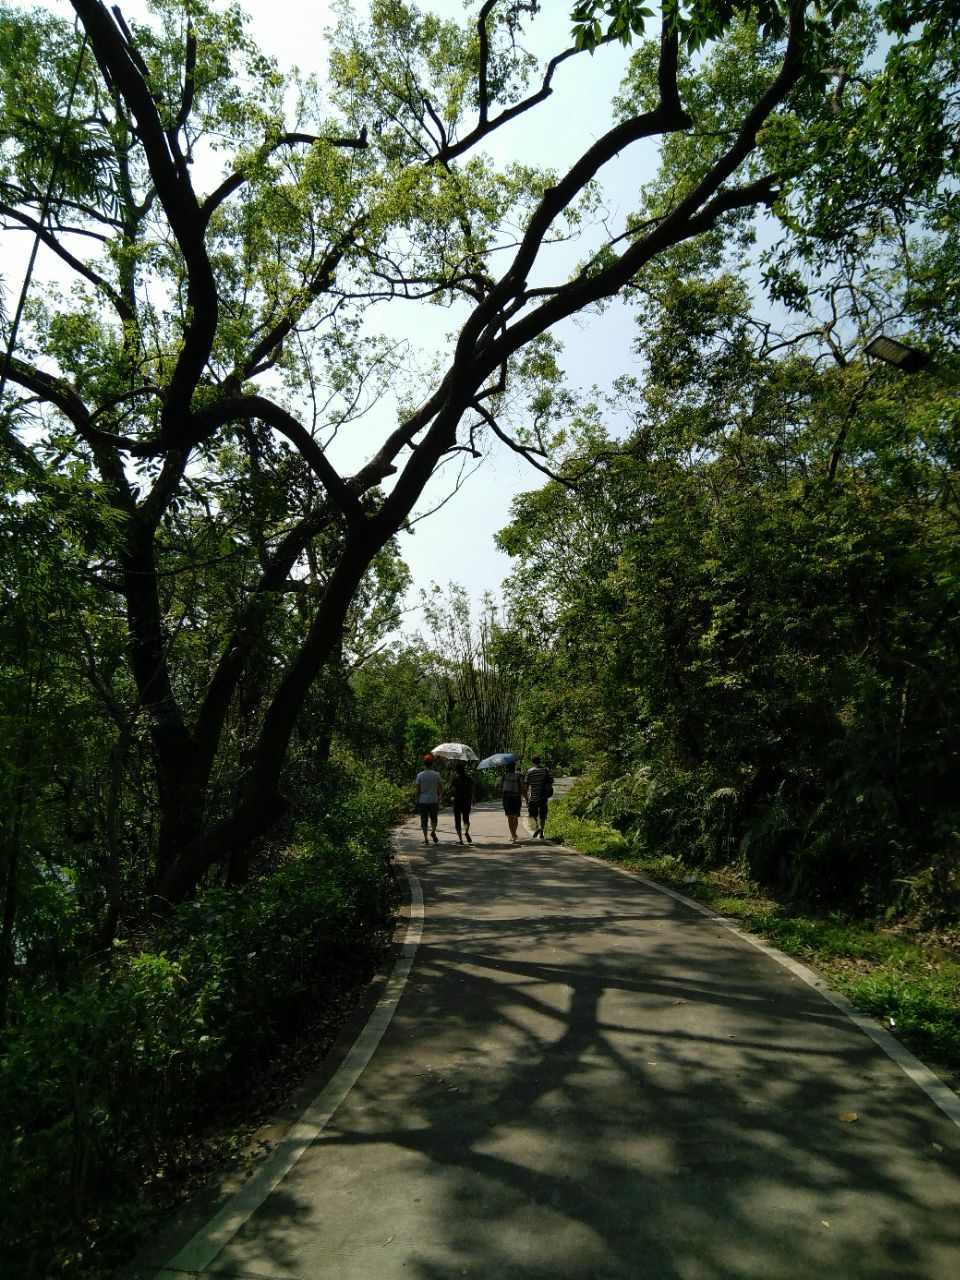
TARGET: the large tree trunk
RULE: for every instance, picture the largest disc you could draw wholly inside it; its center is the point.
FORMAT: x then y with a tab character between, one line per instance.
260	804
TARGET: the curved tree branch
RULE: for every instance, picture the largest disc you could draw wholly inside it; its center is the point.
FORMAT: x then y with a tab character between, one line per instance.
237	179
124	70
341	494
525	453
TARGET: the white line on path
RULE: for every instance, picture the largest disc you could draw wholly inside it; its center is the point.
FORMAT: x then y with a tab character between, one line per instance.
935	1089
211	1239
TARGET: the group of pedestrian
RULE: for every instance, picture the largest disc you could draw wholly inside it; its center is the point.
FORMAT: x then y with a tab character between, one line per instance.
430	797
534	788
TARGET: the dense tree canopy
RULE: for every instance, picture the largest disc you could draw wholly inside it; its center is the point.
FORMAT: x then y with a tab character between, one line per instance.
762	578
224	237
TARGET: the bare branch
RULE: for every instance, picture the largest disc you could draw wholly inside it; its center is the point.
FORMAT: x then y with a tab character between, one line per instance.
694	213
124	70
483	90
485	127
48	238
460	481
189	79
62	396
522	450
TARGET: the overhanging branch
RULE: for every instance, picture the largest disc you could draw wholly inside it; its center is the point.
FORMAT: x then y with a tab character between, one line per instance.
524	452
236	180
341	494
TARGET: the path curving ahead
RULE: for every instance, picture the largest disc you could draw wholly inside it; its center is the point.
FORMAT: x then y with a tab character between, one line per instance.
587	1078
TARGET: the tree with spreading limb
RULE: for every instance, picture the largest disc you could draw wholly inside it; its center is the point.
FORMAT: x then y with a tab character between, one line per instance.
216	343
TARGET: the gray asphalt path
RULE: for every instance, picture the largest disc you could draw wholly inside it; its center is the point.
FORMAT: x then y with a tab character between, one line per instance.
586	1078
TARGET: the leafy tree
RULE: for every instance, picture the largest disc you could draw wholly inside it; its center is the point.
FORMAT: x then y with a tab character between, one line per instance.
761	581
760	578
421	734
477	668
223	260
62	743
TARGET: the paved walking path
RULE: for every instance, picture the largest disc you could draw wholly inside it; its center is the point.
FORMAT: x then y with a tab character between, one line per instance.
586	1078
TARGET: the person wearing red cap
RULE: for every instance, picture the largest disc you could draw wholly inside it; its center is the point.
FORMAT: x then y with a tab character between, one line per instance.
429	797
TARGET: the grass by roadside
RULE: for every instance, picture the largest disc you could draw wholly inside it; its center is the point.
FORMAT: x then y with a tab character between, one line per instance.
909	984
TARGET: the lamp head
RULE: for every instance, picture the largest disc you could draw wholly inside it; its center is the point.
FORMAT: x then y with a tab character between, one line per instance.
908	359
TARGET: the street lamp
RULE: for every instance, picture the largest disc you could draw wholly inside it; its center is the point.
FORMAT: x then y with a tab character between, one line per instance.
908	359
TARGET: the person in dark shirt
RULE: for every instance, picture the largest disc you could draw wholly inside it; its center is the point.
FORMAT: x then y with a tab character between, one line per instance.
461	790
539	789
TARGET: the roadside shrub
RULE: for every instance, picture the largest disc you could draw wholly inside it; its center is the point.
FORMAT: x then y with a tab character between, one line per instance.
101	1079
587	834
924	1009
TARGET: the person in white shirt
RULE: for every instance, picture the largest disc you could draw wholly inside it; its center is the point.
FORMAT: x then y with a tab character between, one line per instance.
429	797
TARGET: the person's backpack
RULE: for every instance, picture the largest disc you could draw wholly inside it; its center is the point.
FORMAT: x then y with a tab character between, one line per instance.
547	789
511	784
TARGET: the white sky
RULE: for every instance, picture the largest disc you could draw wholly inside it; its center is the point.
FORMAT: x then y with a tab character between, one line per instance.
456	542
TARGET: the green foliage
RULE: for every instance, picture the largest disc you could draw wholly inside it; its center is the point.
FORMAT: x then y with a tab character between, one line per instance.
744	617
223	574
421	735
757	582
380	699
359	802
920	1006
700	22
595	838
103	1076
477	668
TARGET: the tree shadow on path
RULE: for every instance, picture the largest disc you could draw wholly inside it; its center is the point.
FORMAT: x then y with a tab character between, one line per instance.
586	1078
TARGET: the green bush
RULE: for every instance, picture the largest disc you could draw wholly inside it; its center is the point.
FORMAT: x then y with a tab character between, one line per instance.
100	1081
590	835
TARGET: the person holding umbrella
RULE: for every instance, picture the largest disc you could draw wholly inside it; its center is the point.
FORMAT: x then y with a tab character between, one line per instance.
513	789
461	786
461	790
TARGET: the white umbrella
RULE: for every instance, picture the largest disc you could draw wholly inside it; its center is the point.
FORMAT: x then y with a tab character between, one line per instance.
454	751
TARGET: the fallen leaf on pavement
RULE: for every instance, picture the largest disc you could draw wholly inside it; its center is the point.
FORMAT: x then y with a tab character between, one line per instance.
848	1117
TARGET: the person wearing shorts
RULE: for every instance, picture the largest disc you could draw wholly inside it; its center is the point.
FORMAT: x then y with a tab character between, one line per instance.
538	782
512	788
429	797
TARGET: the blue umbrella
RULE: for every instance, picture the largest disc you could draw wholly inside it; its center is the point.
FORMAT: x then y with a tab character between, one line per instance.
499	760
